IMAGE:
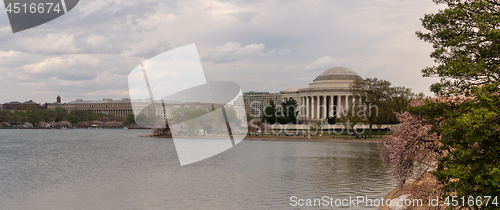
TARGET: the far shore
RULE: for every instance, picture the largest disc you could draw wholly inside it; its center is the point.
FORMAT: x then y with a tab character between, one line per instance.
295	139
312	139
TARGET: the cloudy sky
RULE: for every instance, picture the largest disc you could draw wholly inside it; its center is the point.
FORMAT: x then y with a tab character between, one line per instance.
263	45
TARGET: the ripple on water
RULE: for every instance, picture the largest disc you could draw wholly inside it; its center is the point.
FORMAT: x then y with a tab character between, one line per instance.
115	169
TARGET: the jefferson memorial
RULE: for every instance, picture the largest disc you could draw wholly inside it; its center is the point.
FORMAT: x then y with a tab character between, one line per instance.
328	96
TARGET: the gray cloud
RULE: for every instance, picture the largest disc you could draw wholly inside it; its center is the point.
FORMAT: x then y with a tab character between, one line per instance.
233	51
263	45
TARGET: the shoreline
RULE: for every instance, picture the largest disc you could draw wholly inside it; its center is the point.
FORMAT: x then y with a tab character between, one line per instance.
301	139
291	139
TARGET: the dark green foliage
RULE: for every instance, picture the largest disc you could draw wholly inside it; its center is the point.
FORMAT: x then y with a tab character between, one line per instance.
466	41
61	114
88	115
35	116
129	119
73	119
4	115
470	133
282	114
31	115
18	117
331	120
47	115
269	115
381	101
289	110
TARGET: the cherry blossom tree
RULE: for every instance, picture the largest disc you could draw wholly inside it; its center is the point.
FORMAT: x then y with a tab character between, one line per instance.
411	150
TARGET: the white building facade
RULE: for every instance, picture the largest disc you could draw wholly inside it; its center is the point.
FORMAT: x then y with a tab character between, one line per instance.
328	96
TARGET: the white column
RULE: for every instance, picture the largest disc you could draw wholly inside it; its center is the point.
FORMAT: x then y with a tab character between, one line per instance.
336	105
346	103
331	106
320	107
311	113
302	108
342	104
324	107
339	103
313	107
297	109
301	111
308	102
352	102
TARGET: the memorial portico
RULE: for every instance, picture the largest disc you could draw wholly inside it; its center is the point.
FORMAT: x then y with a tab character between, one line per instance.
328	96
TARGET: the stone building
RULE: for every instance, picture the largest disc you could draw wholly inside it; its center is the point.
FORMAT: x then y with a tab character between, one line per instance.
328	96
255	102
15	105
124	107
120	108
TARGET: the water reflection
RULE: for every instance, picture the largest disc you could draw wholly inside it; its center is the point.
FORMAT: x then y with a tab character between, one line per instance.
115	169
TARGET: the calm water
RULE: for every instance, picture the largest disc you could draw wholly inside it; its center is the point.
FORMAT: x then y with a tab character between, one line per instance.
115	169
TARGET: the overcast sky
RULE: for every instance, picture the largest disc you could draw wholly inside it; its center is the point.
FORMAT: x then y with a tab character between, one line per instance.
263	45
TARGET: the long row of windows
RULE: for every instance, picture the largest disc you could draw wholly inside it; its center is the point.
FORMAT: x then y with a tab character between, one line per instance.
102	105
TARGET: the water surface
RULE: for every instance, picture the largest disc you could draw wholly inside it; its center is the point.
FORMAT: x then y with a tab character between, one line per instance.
116	169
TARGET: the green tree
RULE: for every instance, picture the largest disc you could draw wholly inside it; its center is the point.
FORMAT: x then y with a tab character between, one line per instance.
32	115
332	120
17	118
351	117
282	113
204	120
400	97
47	115
385	114
269	115
250	118
141	118
232	116
88	115
289	108
61	114
129	119
375	93
466	41
5	115
187	113
73	119
398	100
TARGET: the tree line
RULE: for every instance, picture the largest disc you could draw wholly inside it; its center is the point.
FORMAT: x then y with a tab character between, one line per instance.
450	143
59	117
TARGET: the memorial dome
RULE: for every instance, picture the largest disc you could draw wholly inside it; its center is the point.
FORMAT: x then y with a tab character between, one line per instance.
338	73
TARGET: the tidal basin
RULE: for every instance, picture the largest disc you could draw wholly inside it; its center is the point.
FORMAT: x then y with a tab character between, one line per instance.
116	169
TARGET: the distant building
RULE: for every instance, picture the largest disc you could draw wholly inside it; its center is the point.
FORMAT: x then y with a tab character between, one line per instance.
329	95
119	108
122	108
255	102
15	105
55	104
